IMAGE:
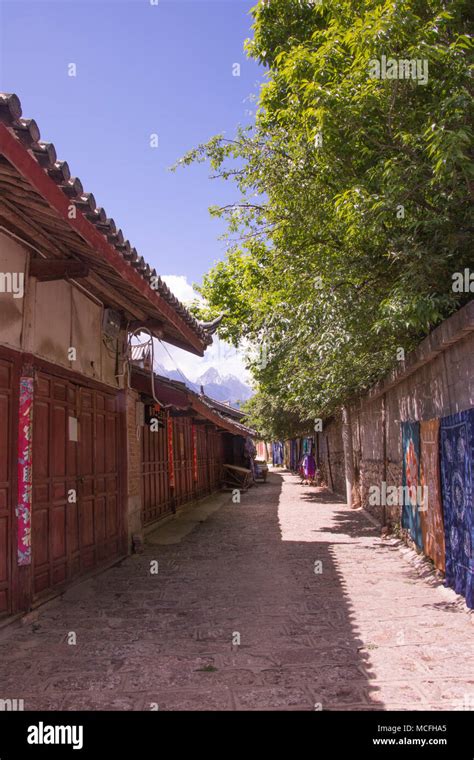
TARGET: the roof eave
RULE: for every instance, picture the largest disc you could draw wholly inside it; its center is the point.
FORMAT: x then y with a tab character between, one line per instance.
18	155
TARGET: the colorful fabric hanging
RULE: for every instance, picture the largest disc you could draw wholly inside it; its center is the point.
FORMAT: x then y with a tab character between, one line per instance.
309	467
431	513
277	453
25	444
170	451
195	455
411	480
457	469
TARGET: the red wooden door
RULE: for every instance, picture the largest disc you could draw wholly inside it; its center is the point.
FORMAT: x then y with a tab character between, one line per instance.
183	460
215	458
99	488
76	521
202	457
155	474
54	518
7	481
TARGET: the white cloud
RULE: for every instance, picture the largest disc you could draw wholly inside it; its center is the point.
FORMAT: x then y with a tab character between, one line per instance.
181	288
221	355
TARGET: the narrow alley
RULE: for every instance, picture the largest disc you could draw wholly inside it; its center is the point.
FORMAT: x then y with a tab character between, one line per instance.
328	615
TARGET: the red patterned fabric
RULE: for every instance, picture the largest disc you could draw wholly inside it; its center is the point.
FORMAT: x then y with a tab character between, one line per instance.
25	440
170	452
431	511
195	458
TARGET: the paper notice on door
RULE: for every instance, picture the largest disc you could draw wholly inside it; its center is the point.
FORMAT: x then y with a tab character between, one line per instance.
73	429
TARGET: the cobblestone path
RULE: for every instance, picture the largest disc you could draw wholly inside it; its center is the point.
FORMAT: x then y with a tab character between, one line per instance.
328	614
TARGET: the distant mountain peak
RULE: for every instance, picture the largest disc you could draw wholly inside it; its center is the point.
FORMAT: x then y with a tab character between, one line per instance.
211	375
224	388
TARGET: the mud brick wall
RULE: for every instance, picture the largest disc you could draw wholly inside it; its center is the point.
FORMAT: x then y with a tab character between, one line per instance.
441	382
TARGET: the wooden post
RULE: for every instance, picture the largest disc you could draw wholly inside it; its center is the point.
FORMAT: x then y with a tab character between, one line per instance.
348	456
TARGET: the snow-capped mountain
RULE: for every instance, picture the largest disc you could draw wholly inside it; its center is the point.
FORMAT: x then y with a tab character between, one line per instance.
219	387
211	375
223	387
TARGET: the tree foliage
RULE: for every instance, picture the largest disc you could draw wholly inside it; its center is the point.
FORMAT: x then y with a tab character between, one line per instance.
354	197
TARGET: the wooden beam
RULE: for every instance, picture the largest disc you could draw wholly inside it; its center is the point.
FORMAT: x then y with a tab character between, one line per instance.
155	326
47	270
33	233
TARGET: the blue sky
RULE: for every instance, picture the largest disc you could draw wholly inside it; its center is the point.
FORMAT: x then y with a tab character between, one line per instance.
141	69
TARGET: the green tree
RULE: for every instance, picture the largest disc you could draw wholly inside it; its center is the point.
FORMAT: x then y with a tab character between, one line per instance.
354	195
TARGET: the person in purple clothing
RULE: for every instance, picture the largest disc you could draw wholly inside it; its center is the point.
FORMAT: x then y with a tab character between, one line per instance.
308	469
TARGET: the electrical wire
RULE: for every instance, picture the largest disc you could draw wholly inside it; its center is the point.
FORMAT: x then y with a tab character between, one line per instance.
185	379
145	343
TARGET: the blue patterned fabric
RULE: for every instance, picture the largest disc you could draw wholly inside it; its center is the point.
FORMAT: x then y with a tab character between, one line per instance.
457	467
411	480
278	453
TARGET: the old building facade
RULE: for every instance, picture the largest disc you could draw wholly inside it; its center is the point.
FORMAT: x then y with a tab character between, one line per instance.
78	474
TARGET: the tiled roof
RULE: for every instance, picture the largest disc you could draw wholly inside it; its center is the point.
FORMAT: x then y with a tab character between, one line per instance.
206	401
28	134
226	409
175	394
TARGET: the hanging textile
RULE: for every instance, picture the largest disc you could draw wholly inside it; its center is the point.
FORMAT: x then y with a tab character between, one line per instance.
170	452
411	480
25	439
195	456
277	453
431	513
309	467
457	467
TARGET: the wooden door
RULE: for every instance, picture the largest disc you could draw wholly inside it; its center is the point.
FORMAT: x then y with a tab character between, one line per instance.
154	474
183	459
215	448
202	458
54	511
76	521
98	475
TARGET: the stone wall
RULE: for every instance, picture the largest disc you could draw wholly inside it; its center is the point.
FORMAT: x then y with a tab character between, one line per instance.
435	380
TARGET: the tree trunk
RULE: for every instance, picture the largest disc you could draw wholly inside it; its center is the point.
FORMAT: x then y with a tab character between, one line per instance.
348	456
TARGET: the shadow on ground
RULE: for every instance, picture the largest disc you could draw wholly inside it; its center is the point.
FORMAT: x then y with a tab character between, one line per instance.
248	610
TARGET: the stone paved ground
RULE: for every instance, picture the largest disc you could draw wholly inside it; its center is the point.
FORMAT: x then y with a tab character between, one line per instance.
366	633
